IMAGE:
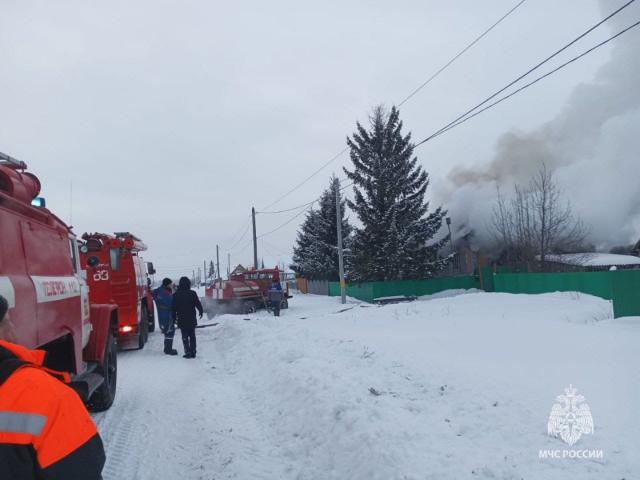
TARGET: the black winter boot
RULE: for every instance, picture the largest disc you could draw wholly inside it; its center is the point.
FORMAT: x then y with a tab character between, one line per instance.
168	347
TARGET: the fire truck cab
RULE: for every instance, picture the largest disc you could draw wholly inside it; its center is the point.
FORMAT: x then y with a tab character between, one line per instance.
116	273
49	305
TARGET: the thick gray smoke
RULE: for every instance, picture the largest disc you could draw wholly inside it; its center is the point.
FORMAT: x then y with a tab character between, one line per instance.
593	146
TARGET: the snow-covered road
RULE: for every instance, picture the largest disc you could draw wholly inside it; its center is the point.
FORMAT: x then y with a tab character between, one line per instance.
446	388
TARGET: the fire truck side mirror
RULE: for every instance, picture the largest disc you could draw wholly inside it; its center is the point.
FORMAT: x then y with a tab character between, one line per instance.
150	269
93	261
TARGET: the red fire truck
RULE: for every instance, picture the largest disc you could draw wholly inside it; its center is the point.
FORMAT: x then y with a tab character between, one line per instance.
116	273
244	292
40	276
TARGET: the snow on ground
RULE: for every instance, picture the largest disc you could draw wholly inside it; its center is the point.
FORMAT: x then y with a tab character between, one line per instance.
449	388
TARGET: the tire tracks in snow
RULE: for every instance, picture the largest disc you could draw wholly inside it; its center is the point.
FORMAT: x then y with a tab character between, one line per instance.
183	419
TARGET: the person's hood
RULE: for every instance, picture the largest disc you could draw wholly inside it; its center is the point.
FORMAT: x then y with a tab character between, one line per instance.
32	356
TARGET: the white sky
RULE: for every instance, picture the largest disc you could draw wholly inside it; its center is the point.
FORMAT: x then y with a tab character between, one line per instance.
173	118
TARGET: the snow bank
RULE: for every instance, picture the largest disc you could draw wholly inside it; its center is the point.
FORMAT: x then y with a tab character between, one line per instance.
452	388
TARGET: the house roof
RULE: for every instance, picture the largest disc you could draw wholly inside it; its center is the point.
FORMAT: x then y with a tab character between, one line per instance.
238	270
593	259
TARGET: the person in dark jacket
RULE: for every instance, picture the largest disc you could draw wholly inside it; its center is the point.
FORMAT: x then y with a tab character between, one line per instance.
45	430
163	297
183	310
275	298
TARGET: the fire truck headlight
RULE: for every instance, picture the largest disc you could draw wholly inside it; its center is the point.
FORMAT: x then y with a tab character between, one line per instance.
126	329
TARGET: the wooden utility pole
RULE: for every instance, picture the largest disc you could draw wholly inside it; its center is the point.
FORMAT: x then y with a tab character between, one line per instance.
228	265
255	241
343	293
218	261
451	267
206	272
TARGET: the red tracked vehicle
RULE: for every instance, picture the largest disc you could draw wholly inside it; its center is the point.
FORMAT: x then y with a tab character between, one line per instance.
116	273
49	305
244	292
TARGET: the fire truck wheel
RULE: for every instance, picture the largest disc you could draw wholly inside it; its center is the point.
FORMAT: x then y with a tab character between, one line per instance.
144	330
284	304
103	397
248	307
152	322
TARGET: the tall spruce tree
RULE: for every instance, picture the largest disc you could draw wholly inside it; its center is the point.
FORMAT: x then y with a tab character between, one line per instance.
306	258
396	238
315	255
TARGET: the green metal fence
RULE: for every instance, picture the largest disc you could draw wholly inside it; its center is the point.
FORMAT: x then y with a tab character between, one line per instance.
594	283
370	290
620	286
626	292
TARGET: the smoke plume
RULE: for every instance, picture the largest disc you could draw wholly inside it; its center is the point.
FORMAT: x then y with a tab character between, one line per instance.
593	147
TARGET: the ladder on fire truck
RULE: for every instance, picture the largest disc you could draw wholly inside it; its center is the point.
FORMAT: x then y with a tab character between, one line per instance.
12	162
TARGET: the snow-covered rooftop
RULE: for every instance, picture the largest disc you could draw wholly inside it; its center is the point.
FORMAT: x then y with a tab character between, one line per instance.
593	259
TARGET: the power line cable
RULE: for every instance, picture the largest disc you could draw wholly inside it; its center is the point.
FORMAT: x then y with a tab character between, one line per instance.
340	180
244	234
298	214
413	93
277	249
532	69
288	209
459	54
541	77
239	229
242	249
324	165
283	224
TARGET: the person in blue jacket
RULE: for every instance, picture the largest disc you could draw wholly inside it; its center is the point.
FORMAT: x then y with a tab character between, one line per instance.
275	298
163	296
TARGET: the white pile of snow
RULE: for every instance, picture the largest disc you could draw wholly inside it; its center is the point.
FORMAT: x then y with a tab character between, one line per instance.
594	259
458	387
452	292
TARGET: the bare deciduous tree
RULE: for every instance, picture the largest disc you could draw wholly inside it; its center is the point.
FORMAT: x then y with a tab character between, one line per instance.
536	221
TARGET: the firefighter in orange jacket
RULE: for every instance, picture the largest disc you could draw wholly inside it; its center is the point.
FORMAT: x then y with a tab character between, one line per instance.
46	432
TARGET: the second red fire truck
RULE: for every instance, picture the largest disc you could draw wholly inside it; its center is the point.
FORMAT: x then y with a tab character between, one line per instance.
117	274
